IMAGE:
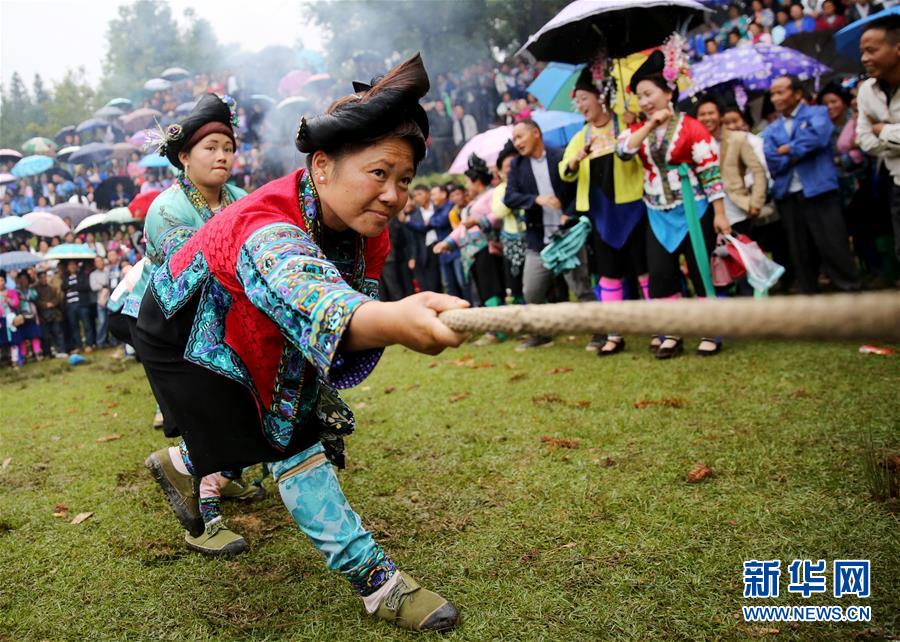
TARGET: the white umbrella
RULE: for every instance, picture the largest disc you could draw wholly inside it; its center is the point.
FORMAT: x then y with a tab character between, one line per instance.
175	74
157	84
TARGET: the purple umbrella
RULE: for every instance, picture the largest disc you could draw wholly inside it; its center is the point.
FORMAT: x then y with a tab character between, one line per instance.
755	67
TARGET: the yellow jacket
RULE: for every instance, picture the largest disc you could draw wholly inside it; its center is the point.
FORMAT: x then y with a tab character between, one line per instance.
628	176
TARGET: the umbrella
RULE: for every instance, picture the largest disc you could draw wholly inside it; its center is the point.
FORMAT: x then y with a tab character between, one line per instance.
138	139
558	127
45	224
262	99
141	203
38	145
292	82
10	224
7	178
122	150
120	215
155	160
186	108
121	103
294	104
91	124
9	156
554	85
486	145
754	67
139	119
62	133
32	166
623	26
65	152
91	153
94	220
19	260
318	82
821	46
175	74
106	191
71	251
157	84
75	212
108	112
847	39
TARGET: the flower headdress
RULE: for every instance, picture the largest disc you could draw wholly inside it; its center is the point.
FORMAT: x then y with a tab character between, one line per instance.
676	69
159	139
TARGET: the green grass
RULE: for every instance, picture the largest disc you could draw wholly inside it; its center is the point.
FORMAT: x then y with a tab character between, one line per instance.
532	541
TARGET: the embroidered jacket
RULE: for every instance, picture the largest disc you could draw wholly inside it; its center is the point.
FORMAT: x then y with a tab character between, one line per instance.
274	303
177	210
686	141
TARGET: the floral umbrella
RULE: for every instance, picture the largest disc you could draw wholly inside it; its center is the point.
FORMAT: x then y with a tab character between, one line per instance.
754	67
39	145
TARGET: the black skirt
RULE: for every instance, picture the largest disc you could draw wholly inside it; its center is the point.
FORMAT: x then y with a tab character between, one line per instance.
217	416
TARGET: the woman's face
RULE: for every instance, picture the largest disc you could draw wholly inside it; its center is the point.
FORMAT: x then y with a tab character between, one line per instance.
364	190
589	105
209	162
836	106
732	121
651	98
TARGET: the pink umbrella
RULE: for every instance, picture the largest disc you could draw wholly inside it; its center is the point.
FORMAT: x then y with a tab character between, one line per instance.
45	224
292	81
139	138
317	82
486	145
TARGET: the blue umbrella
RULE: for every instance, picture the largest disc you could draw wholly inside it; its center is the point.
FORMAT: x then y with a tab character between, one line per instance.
32	166
19	260
554	83
186	108
558	127
847	39
70	251
91	153
121	103
155	160
10	224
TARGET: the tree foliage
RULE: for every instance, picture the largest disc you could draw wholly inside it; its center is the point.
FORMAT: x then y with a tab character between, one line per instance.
450	35
145	39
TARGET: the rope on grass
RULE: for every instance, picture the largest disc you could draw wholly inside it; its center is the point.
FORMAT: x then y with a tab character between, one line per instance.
873	316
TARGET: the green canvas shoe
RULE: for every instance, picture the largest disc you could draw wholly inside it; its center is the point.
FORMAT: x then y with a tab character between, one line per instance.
412	607
181	491
242	491
217	539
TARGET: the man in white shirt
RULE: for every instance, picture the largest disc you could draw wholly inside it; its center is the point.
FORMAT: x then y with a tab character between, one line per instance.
878	103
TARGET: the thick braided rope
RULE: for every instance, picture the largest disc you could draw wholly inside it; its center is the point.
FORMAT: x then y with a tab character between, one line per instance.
873	316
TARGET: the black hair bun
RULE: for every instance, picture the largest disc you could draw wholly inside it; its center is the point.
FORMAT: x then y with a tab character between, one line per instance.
374	111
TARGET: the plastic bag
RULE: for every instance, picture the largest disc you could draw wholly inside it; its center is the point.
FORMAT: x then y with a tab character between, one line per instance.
762	272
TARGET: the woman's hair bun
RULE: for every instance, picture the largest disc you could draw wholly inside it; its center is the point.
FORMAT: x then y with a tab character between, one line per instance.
389	106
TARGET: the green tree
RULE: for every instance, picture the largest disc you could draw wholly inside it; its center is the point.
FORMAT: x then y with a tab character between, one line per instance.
73	101
15	112
200	48
142	41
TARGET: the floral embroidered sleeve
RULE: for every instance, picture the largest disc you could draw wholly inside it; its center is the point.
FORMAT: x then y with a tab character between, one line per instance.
623	151
705	155
287	277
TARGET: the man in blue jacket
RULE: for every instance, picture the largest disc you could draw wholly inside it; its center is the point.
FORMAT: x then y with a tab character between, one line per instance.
805	187
534	185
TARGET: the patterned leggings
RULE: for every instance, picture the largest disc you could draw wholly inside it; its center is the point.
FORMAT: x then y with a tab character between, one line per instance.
318	505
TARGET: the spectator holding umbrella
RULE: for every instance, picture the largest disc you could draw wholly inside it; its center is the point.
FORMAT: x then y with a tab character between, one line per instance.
79	309
50	312
805	187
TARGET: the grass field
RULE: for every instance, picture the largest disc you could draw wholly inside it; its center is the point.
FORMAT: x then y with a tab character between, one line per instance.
544	493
